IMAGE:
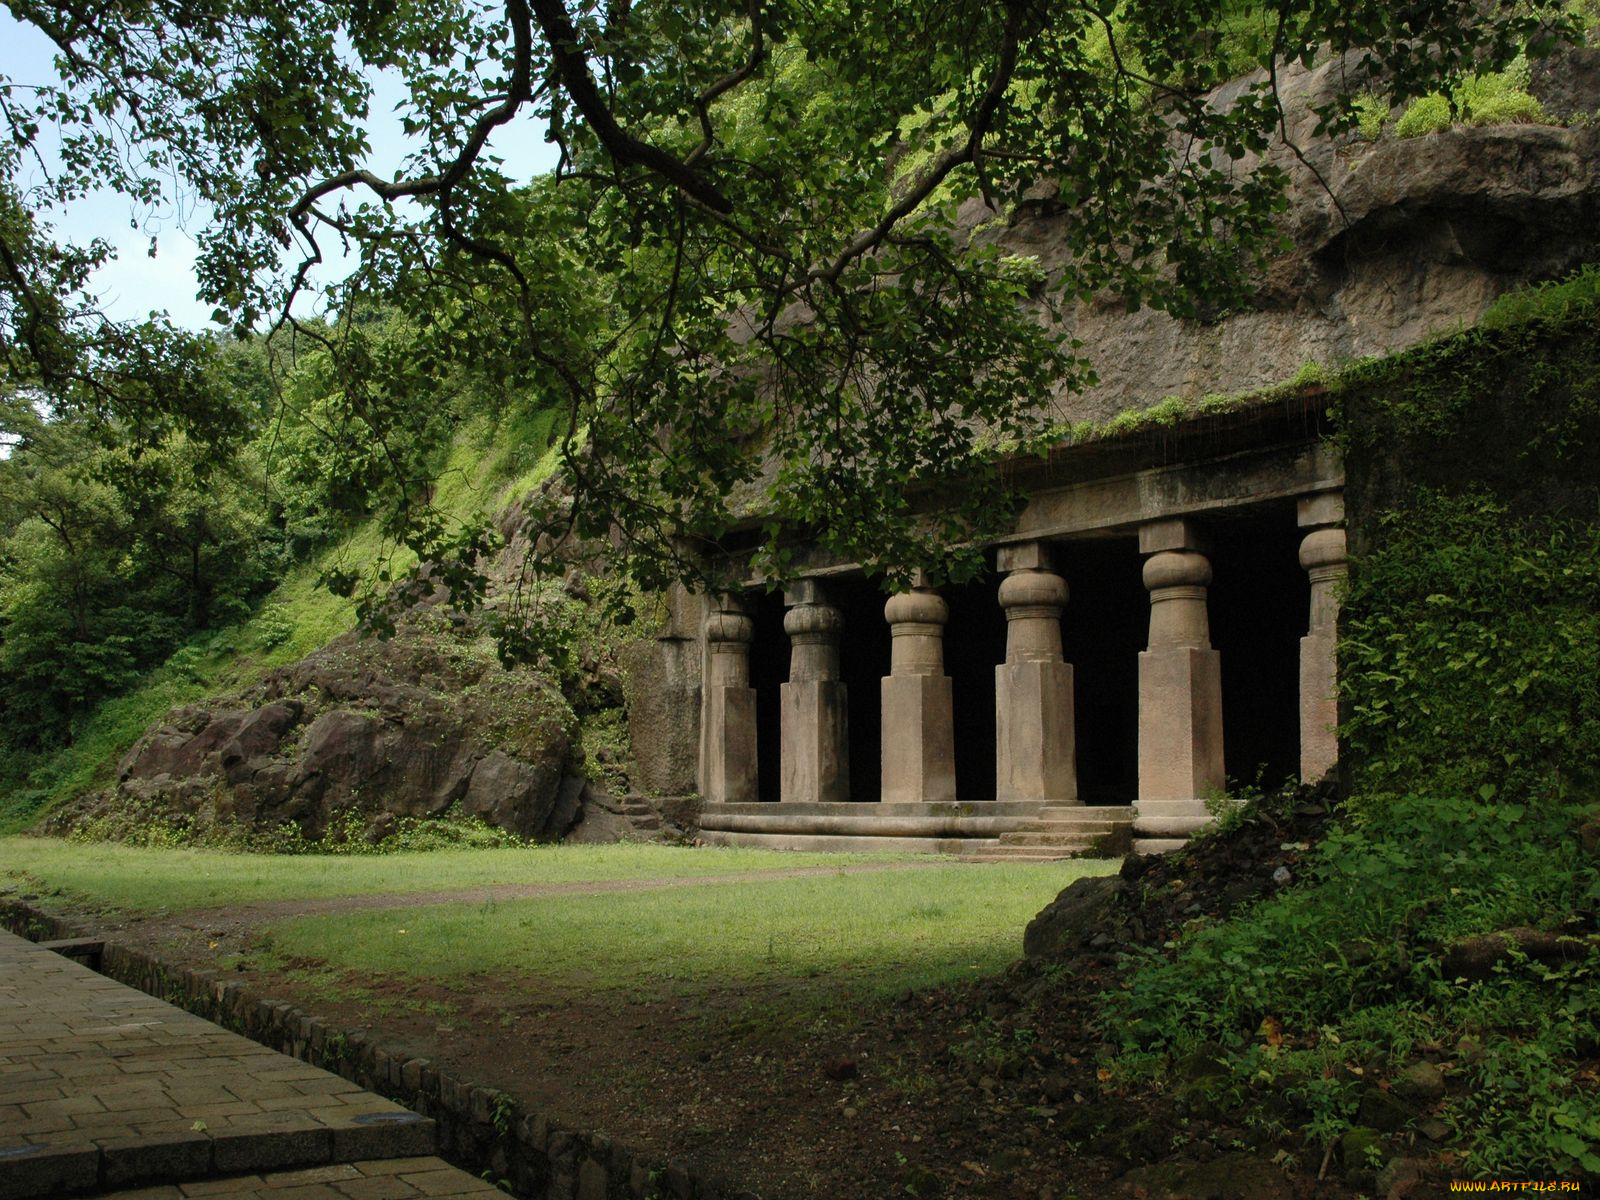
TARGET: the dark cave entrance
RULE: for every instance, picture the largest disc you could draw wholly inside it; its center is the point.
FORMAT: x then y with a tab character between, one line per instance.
1104	626
769	667
1259	603
863	661
974	641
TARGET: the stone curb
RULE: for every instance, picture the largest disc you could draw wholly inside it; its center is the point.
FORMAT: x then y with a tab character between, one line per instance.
482	1130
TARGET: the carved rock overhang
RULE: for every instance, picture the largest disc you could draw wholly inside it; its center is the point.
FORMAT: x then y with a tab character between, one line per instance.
1392	243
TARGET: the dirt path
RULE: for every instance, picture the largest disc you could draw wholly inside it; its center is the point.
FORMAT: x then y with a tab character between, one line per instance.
266	912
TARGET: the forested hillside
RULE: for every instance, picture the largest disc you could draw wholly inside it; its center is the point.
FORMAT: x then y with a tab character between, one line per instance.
142	570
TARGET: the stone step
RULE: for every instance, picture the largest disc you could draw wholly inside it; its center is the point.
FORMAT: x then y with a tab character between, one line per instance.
1080	838
1018	854
85	950
645	824
845	842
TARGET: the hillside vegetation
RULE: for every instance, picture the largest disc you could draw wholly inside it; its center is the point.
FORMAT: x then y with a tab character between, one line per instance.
1448	927
137	576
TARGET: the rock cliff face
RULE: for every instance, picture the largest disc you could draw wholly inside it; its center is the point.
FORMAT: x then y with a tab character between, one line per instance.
371	729
1391	242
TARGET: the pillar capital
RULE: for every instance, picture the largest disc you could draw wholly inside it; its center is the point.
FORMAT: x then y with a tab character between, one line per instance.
1023	591
1024	556
729	631
1320	509
1177	580
1176	568
813	623
920	606
1032	596
723	626
916	629
1170	533
813	626
1323	555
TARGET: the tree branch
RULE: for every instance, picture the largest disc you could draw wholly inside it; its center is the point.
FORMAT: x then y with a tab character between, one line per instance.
970	152
572	68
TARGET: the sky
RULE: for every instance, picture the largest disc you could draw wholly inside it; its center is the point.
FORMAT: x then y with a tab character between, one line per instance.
134	284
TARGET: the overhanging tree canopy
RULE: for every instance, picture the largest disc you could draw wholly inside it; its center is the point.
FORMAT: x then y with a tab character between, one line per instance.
745	280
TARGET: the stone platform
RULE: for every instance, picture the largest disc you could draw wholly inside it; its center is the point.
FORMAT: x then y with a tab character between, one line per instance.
104	1089
999	829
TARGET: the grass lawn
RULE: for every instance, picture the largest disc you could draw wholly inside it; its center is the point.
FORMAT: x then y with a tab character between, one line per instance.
145	878
872	931
865	932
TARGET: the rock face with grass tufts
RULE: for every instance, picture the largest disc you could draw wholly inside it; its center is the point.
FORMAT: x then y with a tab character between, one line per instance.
1389	242
360	733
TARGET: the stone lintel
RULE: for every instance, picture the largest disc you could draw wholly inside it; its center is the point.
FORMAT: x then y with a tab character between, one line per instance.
1025	556
1322	508
1123	502
1170	533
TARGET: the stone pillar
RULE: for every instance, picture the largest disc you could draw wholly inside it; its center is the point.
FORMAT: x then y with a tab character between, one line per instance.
814	716
919	762
1322	554
728	707
1180	688
1035	742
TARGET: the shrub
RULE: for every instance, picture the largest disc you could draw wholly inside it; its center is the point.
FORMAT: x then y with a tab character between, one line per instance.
1496	98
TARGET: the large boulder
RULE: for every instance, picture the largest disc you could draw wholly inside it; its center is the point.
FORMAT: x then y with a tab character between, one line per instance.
1086	909
365	729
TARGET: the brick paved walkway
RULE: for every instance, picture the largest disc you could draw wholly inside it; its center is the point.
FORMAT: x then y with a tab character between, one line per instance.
104	1088
382	1179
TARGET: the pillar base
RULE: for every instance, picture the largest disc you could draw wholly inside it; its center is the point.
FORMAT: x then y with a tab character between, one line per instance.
1035	740
1319	707
918	739
1169	818
814	724
1146	845
1180	727
728	757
